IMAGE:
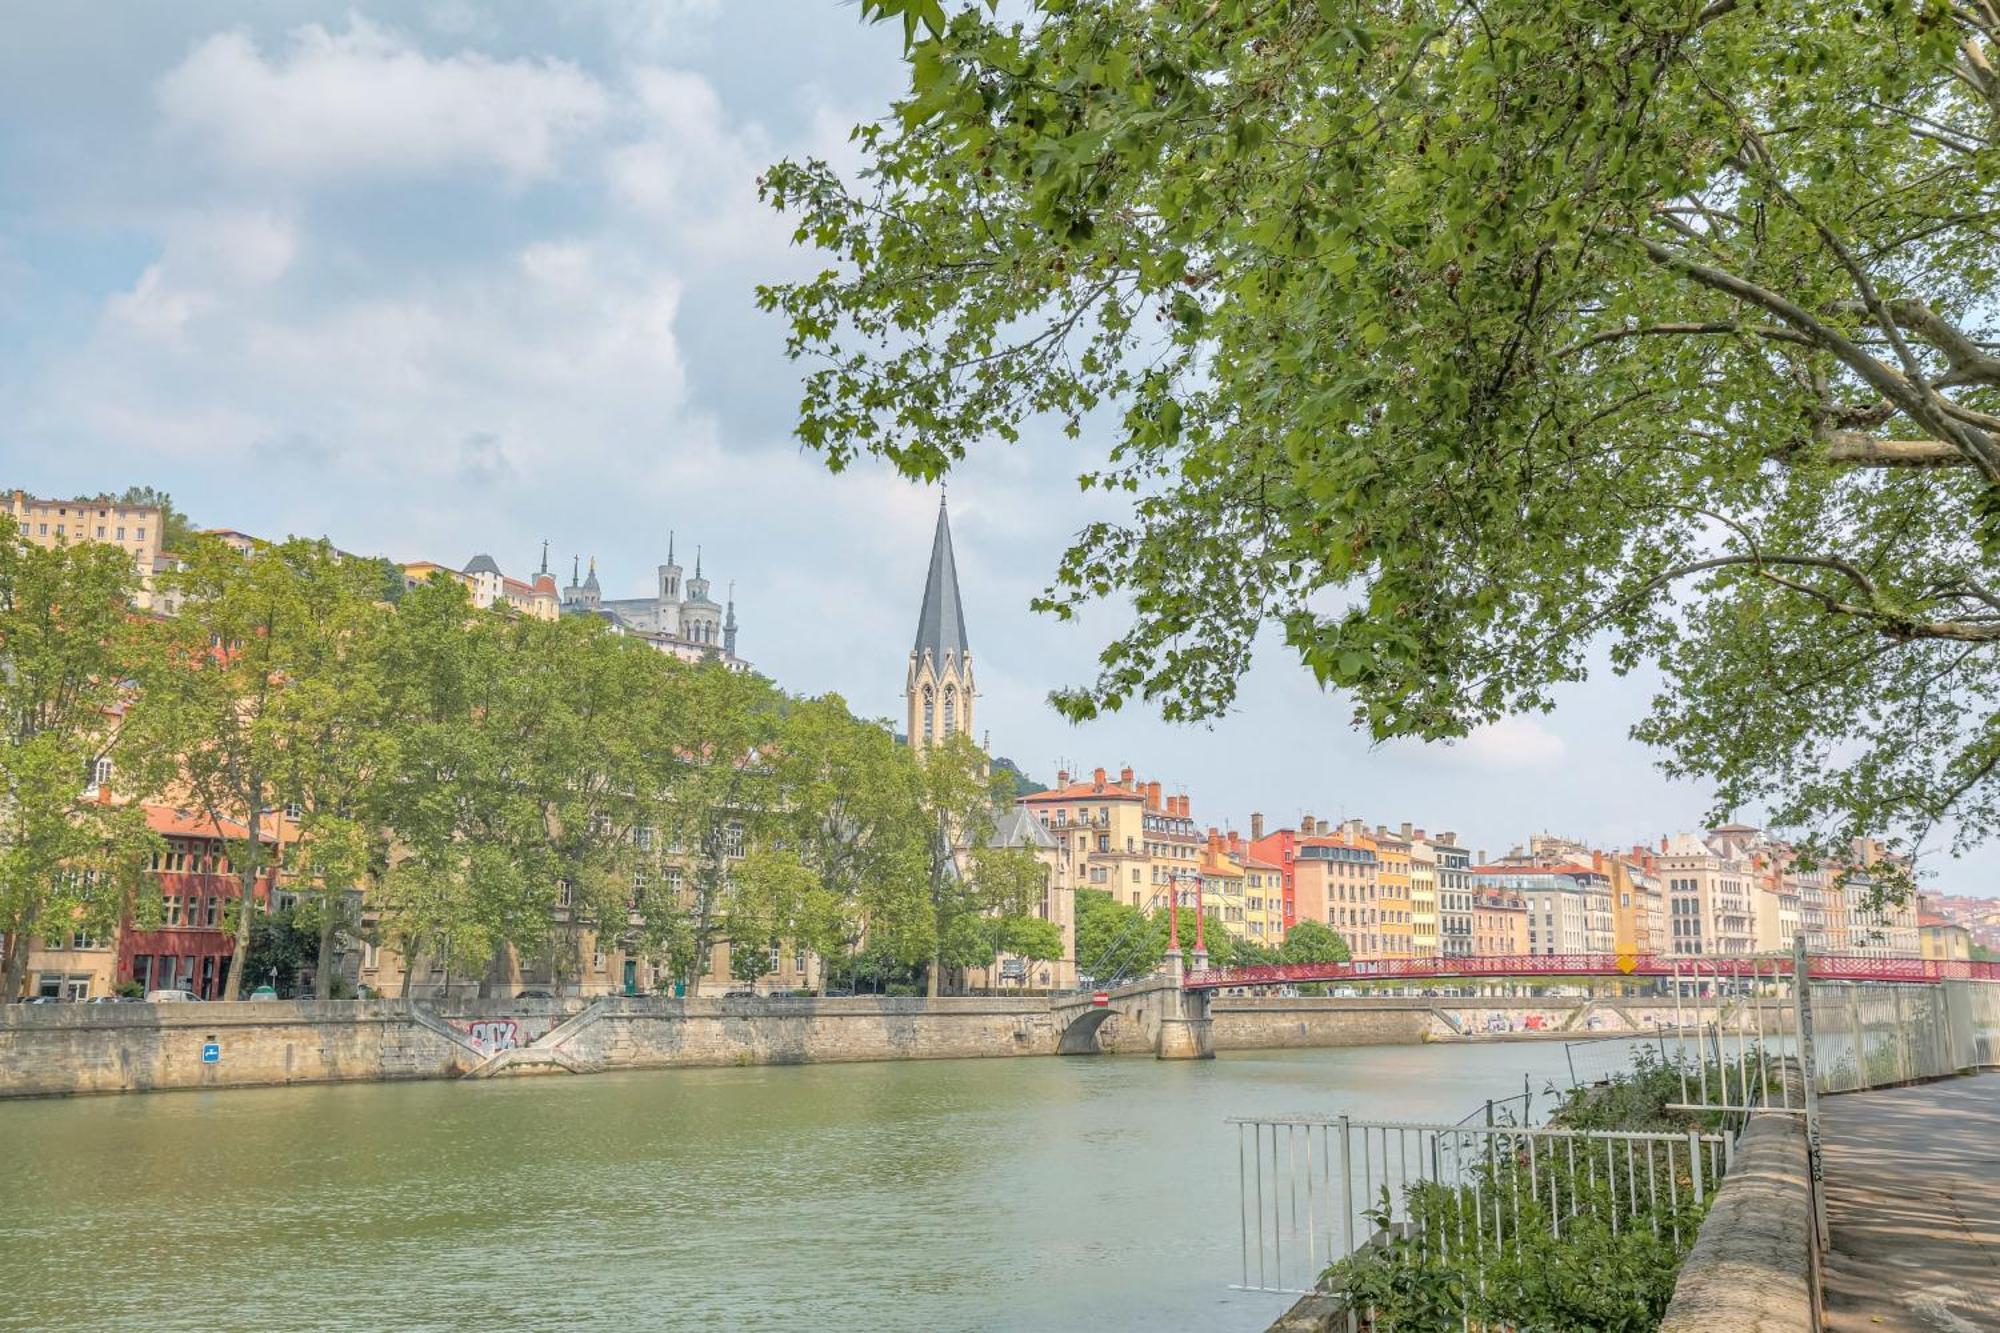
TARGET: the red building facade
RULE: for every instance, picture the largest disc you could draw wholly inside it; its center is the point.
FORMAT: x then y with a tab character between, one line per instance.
192	947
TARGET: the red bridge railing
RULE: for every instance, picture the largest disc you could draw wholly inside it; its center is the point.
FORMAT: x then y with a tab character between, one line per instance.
1826	967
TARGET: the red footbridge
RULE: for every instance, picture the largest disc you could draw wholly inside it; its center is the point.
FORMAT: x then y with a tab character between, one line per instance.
1528	967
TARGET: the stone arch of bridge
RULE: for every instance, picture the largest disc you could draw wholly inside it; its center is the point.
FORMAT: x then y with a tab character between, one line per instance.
1080	1037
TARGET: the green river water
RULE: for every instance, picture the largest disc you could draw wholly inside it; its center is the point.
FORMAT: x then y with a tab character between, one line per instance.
1082	1193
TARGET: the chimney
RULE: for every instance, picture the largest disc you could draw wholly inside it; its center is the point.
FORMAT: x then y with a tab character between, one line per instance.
1152	796
1256	826
1406	830
1125	775
1062	777
1235	842
1480	859
1306	824
1448	838
1097	778
1663	844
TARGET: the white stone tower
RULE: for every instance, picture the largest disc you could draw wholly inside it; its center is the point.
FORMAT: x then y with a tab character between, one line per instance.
938	692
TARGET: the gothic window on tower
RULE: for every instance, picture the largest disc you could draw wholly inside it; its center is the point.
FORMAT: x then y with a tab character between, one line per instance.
950	709
930	711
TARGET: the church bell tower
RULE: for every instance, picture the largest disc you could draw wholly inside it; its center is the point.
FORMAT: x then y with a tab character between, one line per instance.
938	692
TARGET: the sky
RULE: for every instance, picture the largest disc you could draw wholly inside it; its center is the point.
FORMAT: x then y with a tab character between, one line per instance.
437	279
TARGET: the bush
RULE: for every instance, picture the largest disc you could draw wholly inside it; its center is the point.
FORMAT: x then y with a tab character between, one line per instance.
1529	1264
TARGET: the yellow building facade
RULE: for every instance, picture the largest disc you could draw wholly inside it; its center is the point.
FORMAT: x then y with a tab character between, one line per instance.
1395	909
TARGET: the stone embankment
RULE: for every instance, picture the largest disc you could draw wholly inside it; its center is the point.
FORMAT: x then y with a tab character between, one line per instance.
52	1050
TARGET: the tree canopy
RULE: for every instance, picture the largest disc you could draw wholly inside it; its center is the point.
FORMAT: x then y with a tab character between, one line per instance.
1465	344
1311	942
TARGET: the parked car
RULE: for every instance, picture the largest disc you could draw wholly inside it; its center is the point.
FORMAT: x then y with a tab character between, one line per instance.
171	997
740	993
534	995
39	999
112	999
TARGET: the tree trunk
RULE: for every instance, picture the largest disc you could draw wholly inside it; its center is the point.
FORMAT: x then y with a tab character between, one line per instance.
248	876
409	968
323	968
14	972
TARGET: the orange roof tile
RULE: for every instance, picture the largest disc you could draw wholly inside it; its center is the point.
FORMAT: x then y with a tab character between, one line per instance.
1084	791
175	823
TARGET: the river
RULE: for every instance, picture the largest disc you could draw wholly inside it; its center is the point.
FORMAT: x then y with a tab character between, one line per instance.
1081	1193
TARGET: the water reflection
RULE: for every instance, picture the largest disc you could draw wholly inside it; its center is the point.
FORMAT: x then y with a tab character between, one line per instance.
1032	1194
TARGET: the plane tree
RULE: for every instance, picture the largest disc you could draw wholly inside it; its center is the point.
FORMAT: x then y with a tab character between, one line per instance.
1467	345
72	660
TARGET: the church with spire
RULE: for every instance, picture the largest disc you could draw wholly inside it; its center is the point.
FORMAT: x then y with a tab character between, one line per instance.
679	617
938	693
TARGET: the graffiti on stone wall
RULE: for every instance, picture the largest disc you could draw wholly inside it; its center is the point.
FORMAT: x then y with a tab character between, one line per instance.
492	1034
1501	1021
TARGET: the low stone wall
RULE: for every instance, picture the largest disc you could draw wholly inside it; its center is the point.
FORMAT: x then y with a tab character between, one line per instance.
652	1033
1754	1267
1253	1024
52	1050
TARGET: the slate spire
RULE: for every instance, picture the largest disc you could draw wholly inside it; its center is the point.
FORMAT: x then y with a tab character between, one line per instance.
941	623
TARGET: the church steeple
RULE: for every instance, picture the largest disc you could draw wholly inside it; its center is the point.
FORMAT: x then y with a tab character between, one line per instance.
939	688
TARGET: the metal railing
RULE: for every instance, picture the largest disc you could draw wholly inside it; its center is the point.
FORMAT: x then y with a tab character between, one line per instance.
1735	1022
1541	967
1314	1190
1877	1035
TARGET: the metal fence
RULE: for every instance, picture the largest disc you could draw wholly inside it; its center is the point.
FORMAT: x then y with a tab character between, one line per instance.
1314	1190
1871	1035
1736	1023
1750	1036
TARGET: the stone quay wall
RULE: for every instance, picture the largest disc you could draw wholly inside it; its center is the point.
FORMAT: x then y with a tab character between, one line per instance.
662	1033
55	1050
1253	1023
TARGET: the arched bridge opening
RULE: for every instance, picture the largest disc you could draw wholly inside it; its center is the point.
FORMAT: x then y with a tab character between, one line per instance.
1080	1037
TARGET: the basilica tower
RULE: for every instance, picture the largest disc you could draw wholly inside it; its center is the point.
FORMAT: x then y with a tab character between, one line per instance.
938	691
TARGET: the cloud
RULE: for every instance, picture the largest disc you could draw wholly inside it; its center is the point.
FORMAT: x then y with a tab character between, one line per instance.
481	460
1511	744
364	103
209	257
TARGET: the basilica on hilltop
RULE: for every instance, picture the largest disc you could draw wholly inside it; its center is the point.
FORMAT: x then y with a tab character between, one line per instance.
680	617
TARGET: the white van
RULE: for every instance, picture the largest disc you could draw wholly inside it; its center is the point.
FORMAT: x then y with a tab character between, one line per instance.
170	996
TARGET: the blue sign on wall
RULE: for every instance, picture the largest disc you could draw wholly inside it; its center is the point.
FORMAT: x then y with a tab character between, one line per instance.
211	1052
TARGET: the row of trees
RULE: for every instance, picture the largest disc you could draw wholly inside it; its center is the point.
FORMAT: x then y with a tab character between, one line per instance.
1115	939
485	781
1470	347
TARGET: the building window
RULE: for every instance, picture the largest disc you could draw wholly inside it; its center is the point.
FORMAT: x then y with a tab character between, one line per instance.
950	710
930	713
732	839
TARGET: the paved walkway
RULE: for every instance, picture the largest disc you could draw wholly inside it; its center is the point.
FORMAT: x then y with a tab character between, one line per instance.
1913	1207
